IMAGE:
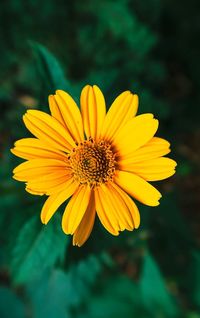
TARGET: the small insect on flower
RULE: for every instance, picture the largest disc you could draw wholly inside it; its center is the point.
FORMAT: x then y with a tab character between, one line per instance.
97	159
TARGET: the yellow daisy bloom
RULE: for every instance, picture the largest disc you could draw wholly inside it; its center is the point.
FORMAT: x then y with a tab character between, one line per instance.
95	158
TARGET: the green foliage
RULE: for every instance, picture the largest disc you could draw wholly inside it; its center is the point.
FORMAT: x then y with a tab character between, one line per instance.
50	71
37	248
153	290
49	295
119	296
10	304
58	294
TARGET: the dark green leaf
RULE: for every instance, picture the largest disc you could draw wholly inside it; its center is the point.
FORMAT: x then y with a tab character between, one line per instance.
49	68
49	295
37	247
154	293
56	293
81	278
10	305
117	297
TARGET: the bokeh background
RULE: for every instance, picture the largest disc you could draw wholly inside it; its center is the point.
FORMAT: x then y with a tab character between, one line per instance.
152	48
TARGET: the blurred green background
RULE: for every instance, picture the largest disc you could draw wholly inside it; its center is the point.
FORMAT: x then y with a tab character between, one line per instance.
152	48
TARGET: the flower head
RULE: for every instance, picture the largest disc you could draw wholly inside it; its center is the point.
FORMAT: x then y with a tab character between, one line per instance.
97	159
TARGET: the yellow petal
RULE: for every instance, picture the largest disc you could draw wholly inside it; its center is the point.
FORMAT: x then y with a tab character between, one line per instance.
35	168
70	114
155	169
50	183
137	132
55	110
56	189
76	209
154	148
48	129
55	200
138	188
121	111
157	176
131	207
32	148
93	110
85	227
116	205
34	192
106	216
152	170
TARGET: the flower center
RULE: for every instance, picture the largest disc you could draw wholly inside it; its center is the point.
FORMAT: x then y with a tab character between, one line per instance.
92	162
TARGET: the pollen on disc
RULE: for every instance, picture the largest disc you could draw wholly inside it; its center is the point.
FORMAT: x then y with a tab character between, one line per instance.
92	162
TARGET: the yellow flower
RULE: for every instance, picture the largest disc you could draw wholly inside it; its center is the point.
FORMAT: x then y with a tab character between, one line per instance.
99	159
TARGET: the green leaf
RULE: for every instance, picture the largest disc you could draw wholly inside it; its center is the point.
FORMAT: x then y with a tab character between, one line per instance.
118	297
49	68
81	278
56	294
49	295
154	293
37	247
10	305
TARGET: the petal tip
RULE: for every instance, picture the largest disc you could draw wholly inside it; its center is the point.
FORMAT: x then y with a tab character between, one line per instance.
64	227
137	226
50	97
30	111
95	86
42	220
59	91
85	88
175	163
12	150
76	243
135	97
